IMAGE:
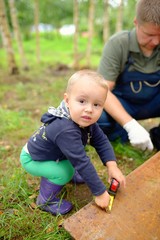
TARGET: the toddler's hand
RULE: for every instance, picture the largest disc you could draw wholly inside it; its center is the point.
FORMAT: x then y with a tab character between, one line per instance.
115	172
103	200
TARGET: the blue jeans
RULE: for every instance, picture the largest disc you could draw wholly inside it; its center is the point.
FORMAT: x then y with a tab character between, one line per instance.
147	110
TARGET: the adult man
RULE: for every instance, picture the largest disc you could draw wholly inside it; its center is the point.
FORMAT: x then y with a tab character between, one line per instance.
131	65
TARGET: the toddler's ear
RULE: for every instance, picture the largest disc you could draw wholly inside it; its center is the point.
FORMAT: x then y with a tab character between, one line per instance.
66	99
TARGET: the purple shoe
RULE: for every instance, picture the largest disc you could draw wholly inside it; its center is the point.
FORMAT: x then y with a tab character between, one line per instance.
47	200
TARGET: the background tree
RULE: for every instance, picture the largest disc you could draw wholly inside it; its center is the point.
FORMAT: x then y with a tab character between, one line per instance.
7	41
36	23
90	31
57	12
17	33
75	20
119	24
25	16
129	13
60	12
106	21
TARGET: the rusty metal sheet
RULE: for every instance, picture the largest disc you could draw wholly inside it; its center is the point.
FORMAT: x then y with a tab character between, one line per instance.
135	213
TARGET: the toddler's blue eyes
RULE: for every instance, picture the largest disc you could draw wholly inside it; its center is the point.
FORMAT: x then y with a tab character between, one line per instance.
83	102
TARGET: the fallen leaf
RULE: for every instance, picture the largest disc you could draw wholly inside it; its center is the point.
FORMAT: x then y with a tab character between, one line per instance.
33	205
60	222
50	229
33	196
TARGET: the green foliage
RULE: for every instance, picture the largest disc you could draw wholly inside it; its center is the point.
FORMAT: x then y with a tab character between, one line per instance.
28	97
18	219
129	14
56	13
25	8
129	157
55	49
24	99
11	120
60	12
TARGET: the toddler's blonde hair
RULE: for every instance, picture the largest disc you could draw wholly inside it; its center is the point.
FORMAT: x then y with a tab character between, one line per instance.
89	75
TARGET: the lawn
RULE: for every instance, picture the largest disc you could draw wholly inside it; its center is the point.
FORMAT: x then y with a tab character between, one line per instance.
23	99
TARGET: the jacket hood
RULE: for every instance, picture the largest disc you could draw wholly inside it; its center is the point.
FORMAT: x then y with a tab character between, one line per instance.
61	111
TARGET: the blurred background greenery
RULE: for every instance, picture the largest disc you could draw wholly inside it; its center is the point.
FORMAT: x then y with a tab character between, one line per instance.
41	44
59	31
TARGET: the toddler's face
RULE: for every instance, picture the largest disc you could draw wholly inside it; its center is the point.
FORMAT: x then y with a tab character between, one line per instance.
85	102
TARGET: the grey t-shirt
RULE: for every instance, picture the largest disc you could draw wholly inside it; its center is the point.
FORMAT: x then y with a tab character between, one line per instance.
116	52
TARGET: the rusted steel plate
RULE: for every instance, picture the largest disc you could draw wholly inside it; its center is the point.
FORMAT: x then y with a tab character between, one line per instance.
135	213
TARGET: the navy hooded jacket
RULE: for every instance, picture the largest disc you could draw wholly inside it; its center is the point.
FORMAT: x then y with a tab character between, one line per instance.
60	138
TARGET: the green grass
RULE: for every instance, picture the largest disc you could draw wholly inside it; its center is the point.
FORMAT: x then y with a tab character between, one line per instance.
23	99
54	50
19	220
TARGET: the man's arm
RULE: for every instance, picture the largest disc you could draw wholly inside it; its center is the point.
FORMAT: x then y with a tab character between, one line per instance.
114	107
137	135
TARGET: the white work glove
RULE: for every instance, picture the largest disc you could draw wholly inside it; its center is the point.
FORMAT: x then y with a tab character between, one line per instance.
138	136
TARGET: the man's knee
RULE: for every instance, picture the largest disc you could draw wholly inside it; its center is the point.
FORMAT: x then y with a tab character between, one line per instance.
104	120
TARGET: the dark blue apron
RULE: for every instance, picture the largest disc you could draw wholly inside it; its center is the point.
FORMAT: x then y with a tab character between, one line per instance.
139	93
137	87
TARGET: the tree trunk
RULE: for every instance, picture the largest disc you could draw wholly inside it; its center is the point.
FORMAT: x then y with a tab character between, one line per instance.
36	23
106	21
7	41
90	31
17	33
120	17
76	16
